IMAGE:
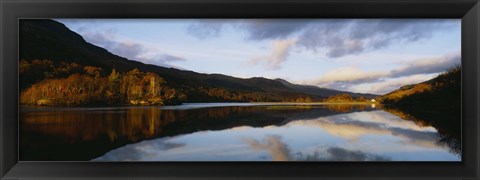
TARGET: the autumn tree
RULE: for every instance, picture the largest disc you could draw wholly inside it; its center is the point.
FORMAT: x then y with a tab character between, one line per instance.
112	92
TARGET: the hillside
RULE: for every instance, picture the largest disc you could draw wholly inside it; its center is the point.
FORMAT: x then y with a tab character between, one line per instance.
50	54
318	91
441	93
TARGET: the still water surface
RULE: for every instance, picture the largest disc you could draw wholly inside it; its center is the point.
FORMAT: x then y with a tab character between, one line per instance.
236	132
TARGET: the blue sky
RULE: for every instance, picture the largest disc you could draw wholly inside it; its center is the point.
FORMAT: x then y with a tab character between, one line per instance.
358	55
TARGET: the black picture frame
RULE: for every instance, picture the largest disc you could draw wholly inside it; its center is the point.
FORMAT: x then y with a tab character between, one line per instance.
12	10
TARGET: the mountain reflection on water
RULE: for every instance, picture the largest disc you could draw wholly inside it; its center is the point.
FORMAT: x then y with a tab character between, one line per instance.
234	132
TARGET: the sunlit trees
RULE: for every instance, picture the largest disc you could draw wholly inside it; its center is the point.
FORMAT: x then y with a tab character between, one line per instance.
113	93
361	99
76	89
38	70
85	85
340	98
303	100
94	71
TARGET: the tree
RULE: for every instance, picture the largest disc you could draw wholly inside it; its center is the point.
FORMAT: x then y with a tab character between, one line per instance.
308	99
94	71
113	92
361	99
339	98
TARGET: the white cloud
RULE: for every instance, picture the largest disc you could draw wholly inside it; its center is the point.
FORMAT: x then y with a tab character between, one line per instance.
205	29
129	49
428	65
349	74
334	37
279	53
354	79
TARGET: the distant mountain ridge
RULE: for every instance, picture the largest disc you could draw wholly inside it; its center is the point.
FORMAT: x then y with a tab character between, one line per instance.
46	39
318	91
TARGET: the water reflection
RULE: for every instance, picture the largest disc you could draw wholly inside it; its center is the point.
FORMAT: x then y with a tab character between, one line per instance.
244	132
357	136
278	150
446	123
346	107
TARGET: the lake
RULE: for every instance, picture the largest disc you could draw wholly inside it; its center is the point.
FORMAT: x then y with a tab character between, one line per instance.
238	132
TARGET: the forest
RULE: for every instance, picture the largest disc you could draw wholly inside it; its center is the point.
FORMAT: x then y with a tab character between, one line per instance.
74	84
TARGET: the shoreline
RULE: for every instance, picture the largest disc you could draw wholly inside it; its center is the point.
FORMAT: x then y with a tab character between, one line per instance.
201	104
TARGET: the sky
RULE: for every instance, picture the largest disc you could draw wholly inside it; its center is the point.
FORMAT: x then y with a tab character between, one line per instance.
358	55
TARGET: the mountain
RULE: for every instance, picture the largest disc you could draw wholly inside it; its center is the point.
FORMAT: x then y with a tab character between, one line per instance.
318	91
440	93
60	49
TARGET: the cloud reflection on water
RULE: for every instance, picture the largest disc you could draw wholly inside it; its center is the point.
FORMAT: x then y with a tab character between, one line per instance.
357	136
278	150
